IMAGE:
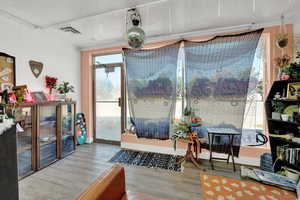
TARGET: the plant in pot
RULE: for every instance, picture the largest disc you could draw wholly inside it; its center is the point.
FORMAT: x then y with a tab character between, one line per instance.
282	40
50	84
278	108
282	63
64	88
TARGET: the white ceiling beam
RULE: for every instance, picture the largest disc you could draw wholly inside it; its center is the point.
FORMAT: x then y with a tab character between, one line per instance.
8	15
102	13
181	35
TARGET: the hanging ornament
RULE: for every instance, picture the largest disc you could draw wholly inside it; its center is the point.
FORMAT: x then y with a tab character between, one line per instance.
282	38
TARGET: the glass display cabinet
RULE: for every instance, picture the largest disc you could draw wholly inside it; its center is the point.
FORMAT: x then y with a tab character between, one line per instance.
24	119
66	120
46	135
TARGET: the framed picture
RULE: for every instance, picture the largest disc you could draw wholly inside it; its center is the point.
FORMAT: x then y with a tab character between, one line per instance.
7	70
39	96
293	91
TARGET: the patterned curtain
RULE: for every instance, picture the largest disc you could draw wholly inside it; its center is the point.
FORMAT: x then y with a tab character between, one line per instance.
217	77
151	89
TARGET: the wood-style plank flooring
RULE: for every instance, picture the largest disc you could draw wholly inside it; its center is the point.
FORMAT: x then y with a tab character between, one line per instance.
66	179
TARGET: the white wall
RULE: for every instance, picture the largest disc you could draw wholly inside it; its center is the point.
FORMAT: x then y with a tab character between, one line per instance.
60	59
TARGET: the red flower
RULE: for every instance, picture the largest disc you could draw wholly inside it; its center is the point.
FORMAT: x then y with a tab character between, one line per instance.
50	82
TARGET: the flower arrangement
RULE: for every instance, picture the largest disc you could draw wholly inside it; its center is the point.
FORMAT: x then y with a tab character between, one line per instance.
184	127
50	83
283	62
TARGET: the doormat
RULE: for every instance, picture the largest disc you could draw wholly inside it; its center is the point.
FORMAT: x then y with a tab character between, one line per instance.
147	159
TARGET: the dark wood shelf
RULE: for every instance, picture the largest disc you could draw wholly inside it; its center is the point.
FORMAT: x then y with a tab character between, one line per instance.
285	140
286	100
284	122
280	127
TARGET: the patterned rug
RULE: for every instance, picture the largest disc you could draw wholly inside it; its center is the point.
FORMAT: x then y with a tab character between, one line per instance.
221	188
147	159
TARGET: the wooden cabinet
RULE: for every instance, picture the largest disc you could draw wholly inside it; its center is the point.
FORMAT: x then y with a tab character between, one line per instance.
45	133
66	126
47	145
8	165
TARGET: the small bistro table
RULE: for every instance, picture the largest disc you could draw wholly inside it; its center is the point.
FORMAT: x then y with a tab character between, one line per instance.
212	132
193	144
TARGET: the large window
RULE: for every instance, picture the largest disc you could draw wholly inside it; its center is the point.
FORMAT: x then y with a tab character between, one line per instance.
254	121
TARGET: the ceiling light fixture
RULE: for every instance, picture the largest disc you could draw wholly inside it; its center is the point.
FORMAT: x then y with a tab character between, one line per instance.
135	35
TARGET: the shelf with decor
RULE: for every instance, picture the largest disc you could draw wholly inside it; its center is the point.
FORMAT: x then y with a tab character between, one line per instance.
283	117
45	133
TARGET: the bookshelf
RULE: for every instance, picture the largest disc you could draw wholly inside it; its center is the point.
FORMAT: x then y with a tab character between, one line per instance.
290	156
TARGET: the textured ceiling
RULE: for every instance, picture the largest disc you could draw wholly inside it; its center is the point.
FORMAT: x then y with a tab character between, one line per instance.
103	21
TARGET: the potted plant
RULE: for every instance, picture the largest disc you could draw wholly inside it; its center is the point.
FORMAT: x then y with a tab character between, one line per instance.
282	40
282	63
50	84
278	108
285	73
64	88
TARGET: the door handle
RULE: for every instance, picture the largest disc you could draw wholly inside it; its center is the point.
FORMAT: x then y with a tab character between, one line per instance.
119	101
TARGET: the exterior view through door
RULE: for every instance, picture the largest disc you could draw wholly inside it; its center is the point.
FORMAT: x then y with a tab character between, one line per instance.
108	97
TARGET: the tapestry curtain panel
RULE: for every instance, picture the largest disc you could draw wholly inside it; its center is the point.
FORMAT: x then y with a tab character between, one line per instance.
151	89
217	77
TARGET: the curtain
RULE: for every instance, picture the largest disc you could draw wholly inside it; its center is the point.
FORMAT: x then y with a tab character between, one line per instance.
217	77
151	89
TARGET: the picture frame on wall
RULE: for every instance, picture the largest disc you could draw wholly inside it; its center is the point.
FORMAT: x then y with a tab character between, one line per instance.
7	71
293	91
39	96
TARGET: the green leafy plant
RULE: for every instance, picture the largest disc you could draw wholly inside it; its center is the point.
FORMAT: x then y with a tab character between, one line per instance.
283	171
278	106
282	40
65	88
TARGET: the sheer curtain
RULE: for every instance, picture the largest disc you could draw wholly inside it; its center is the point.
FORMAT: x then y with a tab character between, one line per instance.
217	78
151	89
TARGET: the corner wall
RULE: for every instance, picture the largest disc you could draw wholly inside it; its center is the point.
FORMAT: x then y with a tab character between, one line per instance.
60	59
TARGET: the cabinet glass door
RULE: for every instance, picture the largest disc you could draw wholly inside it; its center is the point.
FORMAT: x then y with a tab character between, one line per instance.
47	135
67	129
23	119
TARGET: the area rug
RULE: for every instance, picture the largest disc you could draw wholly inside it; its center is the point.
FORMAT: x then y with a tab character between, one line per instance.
221	188
147	159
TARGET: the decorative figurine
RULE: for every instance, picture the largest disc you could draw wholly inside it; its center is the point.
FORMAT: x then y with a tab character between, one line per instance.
277	95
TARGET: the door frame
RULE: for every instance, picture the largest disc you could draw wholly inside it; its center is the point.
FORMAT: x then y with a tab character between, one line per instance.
122	100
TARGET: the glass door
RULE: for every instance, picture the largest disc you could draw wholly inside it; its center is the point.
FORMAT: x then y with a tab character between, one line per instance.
108	97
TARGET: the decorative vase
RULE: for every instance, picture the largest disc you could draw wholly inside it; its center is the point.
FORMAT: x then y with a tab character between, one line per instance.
51	97
285	117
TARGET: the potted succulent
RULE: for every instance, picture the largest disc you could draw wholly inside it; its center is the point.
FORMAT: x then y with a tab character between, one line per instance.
64	88
282	40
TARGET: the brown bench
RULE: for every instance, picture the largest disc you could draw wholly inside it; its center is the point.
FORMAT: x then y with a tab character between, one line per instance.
111	186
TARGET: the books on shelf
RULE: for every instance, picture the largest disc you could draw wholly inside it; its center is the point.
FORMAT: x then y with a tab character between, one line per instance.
292	156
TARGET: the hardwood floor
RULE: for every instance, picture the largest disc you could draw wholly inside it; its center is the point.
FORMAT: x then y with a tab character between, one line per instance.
66	179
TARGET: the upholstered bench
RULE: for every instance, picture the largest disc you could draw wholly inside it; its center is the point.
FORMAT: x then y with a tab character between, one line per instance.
111	186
